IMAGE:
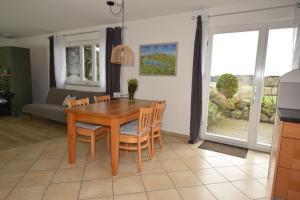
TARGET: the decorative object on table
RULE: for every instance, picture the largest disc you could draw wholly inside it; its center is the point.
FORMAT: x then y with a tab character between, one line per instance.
121	54
158	59
132	87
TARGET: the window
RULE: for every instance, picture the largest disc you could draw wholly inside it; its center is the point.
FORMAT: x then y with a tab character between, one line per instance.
83	64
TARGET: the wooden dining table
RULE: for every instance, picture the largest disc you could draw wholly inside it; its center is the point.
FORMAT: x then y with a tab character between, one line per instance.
112	114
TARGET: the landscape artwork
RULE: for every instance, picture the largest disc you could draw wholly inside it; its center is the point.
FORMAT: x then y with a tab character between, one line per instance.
158	59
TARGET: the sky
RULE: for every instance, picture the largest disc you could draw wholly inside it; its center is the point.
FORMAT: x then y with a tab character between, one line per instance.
167	48
236	53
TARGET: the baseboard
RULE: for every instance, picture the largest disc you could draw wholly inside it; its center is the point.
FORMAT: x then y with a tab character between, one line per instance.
175	134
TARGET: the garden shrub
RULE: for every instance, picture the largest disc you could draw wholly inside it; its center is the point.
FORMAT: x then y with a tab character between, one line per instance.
214	115
227	85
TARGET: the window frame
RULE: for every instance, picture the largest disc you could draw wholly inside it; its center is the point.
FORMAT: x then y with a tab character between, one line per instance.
83	81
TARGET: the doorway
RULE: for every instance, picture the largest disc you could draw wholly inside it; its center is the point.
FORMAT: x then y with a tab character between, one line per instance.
243	71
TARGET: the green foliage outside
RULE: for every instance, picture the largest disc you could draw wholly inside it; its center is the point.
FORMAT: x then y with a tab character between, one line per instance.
214	115
158	64
227	85
88	63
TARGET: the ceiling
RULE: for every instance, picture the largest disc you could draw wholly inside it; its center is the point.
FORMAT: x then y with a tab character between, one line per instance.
19	18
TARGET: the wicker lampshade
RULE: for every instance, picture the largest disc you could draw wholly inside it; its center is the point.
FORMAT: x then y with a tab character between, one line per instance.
123	55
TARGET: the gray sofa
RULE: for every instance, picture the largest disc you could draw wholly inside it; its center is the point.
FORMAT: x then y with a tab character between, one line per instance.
53	108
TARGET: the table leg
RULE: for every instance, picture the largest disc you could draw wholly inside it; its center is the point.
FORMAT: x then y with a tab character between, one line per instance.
115	132
71	138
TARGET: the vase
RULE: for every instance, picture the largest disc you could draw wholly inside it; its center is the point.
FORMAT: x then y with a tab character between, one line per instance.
131	91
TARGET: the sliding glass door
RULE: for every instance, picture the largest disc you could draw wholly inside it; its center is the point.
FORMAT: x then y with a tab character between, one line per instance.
243	71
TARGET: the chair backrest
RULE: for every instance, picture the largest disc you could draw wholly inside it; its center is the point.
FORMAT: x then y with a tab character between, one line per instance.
145	120
99	99
77	103
158	113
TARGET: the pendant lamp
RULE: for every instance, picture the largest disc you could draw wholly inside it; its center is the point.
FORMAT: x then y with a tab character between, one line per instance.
121	54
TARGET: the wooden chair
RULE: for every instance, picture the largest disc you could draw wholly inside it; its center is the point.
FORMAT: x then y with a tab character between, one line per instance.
99	99
158	112
86	132
136	136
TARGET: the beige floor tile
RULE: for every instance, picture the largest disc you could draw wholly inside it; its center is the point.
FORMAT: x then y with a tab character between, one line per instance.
53	154
137	196
28	193
164	194
9	180
233	173
179	146
226	191
62	191
126	158
96	188
206	153
36	178
218	161
157	182
28	155
80	162
127	185
152	167
209	176
16	166
104	161
252	189
186	153
7	155
238	161
98	172
174	165
254	171
196	192
196	163
4	193
102	198
184	179
166	155
128	169
263	181
43	164
68	175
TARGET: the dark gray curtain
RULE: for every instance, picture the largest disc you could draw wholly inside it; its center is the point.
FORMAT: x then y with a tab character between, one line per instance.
113	71
51	68
196	98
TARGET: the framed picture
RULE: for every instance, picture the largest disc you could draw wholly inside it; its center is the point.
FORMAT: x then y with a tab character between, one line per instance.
158	59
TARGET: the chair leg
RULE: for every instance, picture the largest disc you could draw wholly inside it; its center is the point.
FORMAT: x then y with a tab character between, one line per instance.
93	146
139	155
160	140
149	150
152	143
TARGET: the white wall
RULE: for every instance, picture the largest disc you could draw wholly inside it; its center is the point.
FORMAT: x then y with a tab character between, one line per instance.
39	60
172	28
6	42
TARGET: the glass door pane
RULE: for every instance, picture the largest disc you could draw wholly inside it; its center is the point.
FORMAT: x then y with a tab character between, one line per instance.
233	65
278	62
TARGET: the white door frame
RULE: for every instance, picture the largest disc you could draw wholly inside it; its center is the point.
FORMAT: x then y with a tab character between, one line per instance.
263	29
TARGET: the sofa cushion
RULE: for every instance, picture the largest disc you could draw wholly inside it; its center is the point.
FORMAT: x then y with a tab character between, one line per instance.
47	110
57	96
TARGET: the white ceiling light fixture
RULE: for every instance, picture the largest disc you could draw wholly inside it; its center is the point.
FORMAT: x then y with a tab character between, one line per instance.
121	54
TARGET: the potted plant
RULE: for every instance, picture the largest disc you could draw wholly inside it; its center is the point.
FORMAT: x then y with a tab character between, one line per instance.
132	87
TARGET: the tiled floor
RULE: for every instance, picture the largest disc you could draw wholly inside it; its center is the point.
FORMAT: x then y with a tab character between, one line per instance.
178	171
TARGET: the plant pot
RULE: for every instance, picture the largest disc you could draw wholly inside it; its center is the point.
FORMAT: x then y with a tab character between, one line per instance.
131	91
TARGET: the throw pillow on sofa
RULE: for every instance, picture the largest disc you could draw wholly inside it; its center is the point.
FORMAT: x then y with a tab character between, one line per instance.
65	103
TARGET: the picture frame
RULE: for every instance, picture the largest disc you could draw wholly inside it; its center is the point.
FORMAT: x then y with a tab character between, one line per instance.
158	59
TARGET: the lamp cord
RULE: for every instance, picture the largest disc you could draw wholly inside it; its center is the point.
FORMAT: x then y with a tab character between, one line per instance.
122	9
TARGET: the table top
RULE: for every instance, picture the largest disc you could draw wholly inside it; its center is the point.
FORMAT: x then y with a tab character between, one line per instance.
113	109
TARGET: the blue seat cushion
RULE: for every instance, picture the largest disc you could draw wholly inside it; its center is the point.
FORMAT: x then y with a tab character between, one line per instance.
129	128
87	126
